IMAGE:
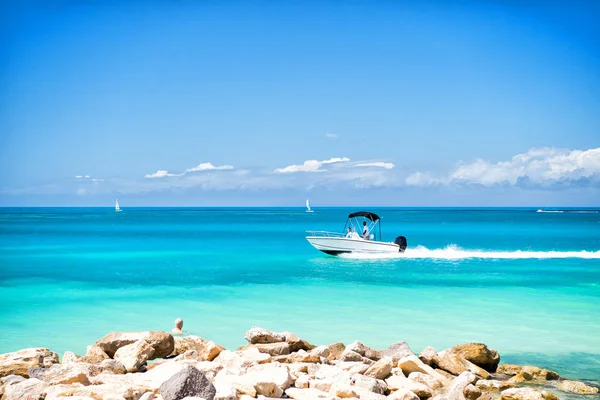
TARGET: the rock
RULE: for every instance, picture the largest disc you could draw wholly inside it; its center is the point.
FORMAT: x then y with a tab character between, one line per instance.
425	379
268	389
306	394
336	350
354	367
296	343
94	355
146	396
134	355
402	394
349	355
324	386
260	335
494	386
576	387
302	381
478	354
271	373
381	369
32	389
344	391
112	366
427	355
397	351
69	374
414	364
508	369
162	343
538	373
364	350
526	394
115	340
19	362
370	384
449	377
69	357
397	382
187	382
224	390
238	362
321	351
456	364
471	392
208	350
272	349
302	356
457	388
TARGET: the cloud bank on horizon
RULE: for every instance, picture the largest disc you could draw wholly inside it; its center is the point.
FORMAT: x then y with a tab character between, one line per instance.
538	168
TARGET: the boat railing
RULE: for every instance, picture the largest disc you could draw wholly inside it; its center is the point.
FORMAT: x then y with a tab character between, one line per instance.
324	234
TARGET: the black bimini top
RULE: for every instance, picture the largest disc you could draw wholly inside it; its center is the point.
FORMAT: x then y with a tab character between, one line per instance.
368	215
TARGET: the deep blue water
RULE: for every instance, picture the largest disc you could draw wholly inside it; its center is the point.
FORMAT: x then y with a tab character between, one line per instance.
525	283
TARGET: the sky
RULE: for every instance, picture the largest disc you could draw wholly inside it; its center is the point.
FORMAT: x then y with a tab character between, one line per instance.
267	103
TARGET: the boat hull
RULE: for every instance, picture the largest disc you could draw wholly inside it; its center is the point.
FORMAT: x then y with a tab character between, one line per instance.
339	245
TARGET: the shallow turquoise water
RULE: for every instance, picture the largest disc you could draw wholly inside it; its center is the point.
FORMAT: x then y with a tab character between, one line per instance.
525	283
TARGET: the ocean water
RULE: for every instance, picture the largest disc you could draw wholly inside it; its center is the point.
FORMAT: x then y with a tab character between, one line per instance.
523	282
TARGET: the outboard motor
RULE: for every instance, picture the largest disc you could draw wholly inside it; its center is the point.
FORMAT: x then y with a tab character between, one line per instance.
401	241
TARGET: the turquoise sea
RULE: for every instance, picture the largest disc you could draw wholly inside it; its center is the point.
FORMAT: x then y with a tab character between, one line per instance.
523	282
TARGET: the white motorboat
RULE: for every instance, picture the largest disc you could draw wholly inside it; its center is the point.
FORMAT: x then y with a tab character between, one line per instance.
349	241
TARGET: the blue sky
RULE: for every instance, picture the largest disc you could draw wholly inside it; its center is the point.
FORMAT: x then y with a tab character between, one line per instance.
267	103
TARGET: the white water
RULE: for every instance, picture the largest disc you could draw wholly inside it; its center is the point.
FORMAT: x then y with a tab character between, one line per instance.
453	252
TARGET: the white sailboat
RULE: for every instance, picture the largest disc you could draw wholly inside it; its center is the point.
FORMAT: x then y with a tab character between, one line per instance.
117	208
308	206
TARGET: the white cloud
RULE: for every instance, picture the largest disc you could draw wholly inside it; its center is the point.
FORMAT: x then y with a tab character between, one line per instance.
208	167
538	166
310	165
378	164
82	177
161	173
332	135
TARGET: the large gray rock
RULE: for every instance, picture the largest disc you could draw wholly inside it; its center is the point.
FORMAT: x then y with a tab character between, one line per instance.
260	335
189	382
134	355
19	362
397	351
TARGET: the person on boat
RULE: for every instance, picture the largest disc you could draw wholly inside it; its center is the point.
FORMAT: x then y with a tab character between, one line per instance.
178	328
349	234
365	234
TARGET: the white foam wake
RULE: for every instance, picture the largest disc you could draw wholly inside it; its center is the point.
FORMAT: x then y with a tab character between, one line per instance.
453	252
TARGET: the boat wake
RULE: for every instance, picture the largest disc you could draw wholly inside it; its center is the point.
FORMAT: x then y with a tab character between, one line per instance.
453	252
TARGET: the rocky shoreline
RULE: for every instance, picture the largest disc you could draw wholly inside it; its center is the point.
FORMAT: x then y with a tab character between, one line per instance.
272	365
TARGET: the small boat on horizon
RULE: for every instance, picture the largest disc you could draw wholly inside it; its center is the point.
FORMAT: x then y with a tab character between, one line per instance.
117	207
308	206
349	241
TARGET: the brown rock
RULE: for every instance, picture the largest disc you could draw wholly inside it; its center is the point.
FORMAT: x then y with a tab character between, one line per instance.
208	350
32	389
508	369
456	364
576	387
472	392
527	394
94	355
478	354
336	350
134	356
273	349
260	335
19	362
364	350
113	367
397	351
296	343
427	355
381	369
493	385
162	342
115	340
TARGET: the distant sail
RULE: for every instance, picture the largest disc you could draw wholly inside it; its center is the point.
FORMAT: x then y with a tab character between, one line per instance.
117	208
308	206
